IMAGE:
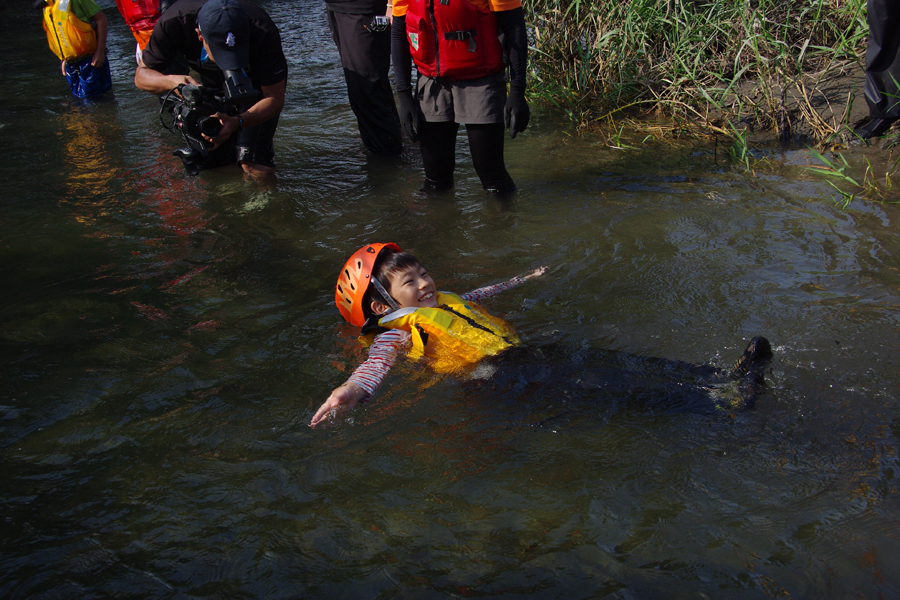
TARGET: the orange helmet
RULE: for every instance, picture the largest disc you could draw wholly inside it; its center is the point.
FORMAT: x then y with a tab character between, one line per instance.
354	280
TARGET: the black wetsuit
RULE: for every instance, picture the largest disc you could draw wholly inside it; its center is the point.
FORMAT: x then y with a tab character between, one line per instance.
529	377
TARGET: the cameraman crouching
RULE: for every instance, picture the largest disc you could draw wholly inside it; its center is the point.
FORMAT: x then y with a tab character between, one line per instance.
213	37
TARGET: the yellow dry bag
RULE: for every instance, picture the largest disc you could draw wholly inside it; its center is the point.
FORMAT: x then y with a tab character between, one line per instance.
68	36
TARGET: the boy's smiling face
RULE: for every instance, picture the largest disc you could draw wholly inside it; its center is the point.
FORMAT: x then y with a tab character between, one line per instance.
413	288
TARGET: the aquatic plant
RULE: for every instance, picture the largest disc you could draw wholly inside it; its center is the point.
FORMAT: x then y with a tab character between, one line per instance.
872	185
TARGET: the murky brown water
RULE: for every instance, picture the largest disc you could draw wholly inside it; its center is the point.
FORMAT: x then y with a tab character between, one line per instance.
166	339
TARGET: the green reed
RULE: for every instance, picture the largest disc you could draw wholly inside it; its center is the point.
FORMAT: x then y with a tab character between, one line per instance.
703	61
872	185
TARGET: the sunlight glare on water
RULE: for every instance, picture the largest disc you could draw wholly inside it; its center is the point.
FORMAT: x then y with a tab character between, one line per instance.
166	340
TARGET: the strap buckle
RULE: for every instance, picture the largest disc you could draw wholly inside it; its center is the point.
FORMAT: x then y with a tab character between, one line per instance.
460	36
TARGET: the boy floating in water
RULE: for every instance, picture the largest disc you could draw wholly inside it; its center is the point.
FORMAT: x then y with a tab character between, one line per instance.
386	290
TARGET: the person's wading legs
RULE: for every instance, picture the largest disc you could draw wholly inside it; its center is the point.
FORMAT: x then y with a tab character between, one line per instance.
882	63
366	59
437	140
256	151
486	145
438	144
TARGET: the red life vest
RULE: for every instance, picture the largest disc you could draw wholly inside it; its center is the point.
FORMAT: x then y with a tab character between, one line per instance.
453	39
140	16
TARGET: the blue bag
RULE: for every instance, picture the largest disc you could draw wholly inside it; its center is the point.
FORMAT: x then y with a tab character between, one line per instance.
85	80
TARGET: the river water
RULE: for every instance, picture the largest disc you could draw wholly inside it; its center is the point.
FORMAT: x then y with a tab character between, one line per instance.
166	339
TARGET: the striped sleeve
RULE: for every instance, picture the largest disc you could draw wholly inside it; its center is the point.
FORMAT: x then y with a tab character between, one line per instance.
382	356
481	294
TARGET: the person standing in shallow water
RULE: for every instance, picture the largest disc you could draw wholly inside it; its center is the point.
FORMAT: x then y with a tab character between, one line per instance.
461	63
76	32
364	45
211	37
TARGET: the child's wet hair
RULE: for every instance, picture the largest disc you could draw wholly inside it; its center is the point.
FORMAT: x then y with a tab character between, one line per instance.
387	265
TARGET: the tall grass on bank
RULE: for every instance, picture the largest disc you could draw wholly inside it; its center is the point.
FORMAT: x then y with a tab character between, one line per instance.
759	63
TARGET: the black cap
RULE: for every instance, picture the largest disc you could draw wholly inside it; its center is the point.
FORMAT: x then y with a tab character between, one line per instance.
225	26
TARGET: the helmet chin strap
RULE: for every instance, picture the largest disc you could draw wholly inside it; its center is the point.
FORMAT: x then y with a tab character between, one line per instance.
384	294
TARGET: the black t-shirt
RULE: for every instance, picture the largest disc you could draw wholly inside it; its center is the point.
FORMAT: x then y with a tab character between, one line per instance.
174	42
357	7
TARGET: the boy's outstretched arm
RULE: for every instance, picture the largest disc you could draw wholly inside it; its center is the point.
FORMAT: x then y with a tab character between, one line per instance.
344	398
364	381
484	293
536	273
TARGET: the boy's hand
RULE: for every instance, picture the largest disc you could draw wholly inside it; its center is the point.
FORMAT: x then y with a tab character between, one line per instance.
341	400
536	273
98	58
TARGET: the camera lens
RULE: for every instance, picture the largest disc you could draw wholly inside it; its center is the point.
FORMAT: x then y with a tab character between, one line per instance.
209	126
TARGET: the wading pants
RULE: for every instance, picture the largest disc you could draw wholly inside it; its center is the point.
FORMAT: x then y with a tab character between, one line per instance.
366	58
882	64
438	144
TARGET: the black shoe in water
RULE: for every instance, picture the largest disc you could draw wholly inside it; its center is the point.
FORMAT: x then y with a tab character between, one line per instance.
871	127
755	357
750	369
430	185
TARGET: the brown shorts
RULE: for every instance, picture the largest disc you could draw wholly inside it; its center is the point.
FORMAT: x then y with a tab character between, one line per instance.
477	101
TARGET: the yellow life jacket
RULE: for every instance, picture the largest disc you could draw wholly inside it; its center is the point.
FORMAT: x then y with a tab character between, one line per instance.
69	37
454	335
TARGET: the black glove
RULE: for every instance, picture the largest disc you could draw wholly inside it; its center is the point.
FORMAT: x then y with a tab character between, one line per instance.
516	113
409	113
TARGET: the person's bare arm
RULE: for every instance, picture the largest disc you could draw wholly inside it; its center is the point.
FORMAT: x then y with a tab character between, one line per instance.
155	82
102	27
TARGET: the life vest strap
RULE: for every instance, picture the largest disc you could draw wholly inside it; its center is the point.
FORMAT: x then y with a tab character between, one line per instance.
460	36
476	324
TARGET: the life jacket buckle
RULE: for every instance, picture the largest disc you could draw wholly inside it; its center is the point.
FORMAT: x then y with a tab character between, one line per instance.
459	36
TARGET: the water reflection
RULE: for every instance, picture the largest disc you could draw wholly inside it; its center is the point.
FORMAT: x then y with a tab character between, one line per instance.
90	169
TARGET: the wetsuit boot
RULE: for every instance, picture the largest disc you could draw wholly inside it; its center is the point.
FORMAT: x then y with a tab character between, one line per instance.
430	185
750	369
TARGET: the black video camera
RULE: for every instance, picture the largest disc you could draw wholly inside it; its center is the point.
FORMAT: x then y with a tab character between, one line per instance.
192	116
